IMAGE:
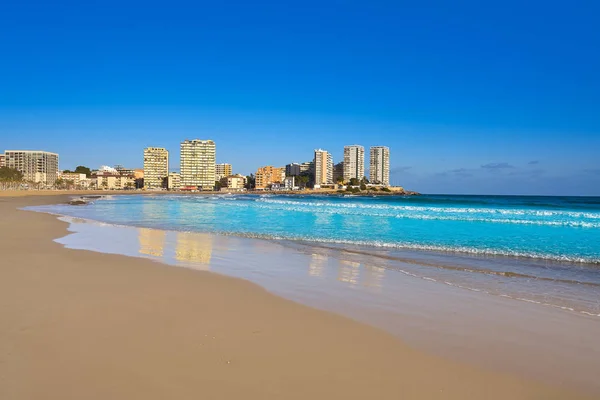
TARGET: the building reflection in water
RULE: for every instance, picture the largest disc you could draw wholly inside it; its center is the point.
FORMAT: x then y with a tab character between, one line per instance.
373	276
194	249
317	264
152	241
349	272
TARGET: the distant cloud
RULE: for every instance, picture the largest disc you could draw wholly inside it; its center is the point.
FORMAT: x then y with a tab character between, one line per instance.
399	169
534	162
496	166
533	173
459	172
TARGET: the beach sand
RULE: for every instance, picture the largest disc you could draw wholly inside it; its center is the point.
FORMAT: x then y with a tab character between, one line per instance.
82	325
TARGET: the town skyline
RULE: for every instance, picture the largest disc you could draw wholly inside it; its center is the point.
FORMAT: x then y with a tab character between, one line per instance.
200	170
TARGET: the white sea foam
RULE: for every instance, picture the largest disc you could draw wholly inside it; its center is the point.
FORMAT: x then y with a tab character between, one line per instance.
528	217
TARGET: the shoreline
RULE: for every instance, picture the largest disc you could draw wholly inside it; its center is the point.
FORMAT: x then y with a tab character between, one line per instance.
327	279
52	290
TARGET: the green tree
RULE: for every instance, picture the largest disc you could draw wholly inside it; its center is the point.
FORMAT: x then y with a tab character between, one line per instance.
83	170
10	178
10	175
363	186
250	182
218	185
354	182
302	180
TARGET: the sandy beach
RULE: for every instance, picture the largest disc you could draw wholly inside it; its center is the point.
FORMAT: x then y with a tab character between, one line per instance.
77	324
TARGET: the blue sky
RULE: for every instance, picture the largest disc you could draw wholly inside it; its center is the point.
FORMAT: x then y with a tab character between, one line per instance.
471	97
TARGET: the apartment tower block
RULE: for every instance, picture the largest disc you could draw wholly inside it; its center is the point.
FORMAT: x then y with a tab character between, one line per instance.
380	165
323	167
156	167
354	162
198	158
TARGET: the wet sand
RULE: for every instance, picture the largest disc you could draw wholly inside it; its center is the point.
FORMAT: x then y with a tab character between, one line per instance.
79	324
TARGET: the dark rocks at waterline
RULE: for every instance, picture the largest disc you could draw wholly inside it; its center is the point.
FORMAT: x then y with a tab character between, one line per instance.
78	202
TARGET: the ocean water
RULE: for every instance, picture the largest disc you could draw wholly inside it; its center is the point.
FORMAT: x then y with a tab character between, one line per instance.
543	250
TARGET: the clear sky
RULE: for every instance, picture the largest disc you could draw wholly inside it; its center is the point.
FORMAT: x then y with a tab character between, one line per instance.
486	97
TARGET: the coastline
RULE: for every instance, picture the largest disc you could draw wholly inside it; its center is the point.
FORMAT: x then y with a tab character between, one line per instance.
121	327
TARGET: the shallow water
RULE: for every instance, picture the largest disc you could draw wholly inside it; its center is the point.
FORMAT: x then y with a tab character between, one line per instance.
544	250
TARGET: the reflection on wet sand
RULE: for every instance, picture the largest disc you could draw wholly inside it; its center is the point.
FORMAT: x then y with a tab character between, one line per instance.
373	276
152	242
194	248
348	271
352	272
317	264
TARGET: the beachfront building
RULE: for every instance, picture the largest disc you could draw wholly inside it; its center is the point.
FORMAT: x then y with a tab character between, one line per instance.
267	176
108	178
77	180
380	165
292	169
37	166
2	160
198	159
222	171
338	172
354	162
156	167
307	167
323	168
138	173
174	181
289	183
236	182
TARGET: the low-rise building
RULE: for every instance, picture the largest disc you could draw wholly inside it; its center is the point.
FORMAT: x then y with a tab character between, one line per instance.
108	178
266	176
138	173
77	180
2	160
289	183
174	181
236	182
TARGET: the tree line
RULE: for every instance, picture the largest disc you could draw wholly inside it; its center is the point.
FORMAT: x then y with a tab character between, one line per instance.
10	178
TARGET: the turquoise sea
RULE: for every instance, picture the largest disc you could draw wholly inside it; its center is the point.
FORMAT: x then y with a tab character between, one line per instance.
538	249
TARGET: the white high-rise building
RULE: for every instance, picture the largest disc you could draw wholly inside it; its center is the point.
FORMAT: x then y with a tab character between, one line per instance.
380	165
323	168
354	162
156	167
198	158
36	166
